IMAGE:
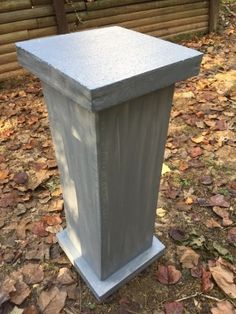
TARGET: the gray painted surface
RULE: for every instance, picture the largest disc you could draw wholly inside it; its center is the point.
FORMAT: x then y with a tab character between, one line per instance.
104	67
110	164
109	157
103	288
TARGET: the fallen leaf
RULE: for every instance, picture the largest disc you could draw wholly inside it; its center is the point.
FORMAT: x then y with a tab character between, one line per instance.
183	165
4	174
223	307
196	271
219	200
54	229
206	180
160	212
33	273
168	275
6	288
52	220
8	199
16	310
188	257
224	278
65	276
72	291
21	293
38	179
232	235
165	169
207	284
221	125
221	250
177	234
52	301
38	228
31	310
21	178
57	205
174	308
196	151
224	214
198	139
212	223
189	200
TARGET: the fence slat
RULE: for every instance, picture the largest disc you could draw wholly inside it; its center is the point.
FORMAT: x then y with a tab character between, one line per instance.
13	5
62	25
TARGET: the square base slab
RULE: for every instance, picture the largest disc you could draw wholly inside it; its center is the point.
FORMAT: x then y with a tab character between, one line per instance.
103	288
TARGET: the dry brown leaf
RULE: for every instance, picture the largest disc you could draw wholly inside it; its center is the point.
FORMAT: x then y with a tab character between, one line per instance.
174	308
52	301
38	179
4	174
57	205
52	220
224	278
21	293
168	275
72	291
198	139
219	200
207	284
54	229
212	223
31	310
196	152
223	307
65	276
188	257
232	235
6	288
33	273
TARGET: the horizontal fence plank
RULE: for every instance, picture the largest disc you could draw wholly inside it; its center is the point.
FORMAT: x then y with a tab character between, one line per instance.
40	2
13	73
102	4
35	12
165	17
173	30
88	15
12	5
169	24
7	58
141	14
9	67
186	34
7	48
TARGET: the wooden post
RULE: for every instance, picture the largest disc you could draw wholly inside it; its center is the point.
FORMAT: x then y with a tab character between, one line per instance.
213	15
62	25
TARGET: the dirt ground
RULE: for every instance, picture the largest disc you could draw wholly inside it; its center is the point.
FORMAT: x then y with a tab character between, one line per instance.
196	212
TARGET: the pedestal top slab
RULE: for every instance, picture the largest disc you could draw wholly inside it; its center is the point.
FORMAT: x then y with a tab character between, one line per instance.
103	67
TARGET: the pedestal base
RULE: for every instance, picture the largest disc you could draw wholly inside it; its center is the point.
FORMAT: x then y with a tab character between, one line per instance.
103	288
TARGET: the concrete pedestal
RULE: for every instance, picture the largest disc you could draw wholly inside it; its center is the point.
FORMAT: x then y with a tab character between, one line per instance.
109	93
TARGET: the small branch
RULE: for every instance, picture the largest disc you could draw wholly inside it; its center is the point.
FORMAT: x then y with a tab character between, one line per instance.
229	11
198	294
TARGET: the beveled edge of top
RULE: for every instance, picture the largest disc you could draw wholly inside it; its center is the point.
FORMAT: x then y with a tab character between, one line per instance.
95	99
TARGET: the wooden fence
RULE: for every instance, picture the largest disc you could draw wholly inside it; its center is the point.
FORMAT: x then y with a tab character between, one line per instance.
26	19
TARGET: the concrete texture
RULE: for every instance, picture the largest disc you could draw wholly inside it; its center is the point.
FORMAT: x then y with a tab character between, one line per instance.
109	95
103	67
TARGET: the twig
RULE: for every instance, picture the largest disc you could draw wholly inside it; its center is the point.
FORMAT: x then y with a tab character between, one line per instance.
229	11
198	294
70	2
188	297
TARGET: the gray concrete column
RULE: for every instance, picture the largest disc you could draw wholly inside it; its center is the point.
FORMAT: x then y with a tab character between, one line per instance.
109	93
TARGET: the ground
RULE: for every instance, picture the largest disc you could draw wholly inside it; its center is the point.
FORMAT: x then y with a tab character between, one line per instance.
195	214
